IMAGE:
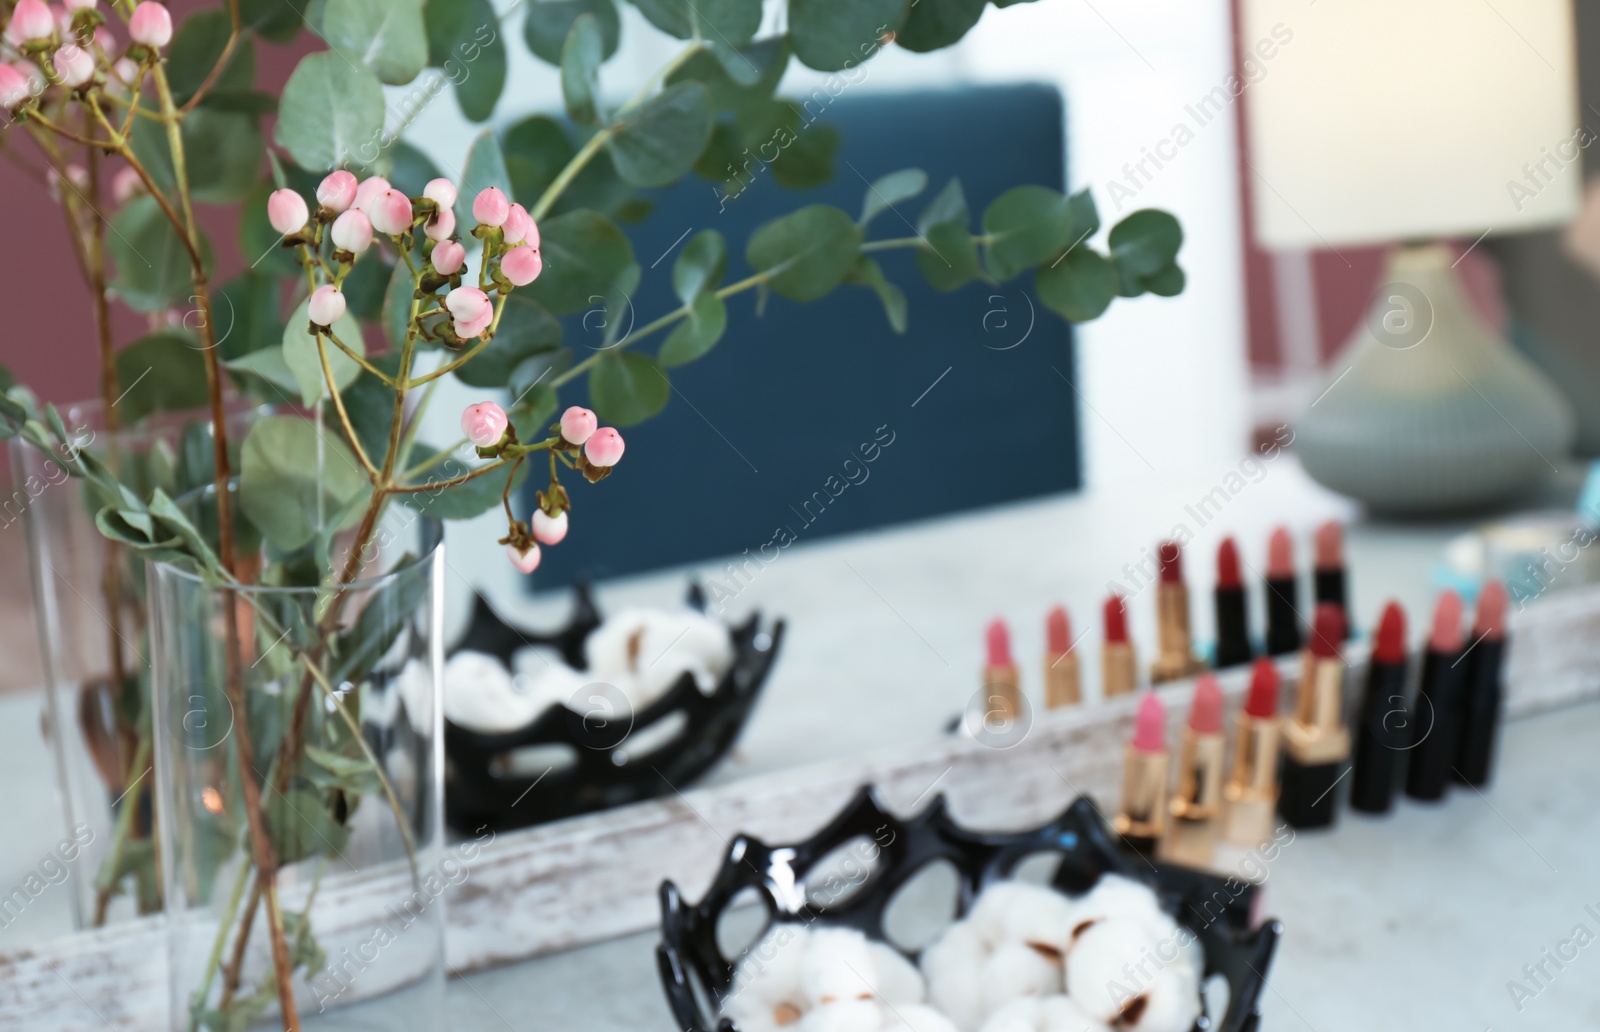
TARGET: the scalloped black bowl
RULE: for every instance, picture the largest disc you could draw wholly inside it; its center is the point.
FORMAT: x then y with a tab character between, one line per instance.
599	770
1204	903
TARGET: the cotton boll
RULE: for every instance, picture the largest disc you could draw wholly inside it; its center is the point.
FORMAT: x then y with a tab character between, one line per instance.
479	695
653	648
897	980
1016	970
1116	897
916	1018
414	687
1042	1014
838	967
1103	970
1024	1015
1171	1003
845	1016
768	991
1032	914
1192	955
953	969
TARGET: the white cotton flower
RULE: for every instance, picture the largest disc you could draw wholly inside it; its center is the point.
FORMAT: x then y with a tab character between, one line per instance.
1170	1003
1042	1014
1112	964
768	984
918	1018
1119	898
1019	912
896	979
479	695
645	651
839	966
1015	970
953	970
845	1016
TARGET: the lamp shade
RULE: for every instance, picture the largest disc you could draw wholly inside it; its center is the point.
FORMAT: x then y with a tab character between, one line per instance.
1380	120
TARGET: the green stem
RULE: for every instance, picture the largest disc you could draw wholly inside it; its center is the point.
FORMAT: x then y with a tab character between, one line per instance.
106	880
198	1002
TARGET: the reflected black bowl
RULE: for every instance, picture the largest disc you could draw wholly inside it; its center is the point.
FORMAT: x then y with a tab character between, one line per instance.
598	762
1216	909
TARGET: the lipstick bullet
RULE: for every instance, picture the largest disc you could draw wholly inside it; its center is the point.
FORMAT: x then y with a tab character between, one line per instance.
1316	741
1381	735
1283	625
1197	805
1328	576
1175	655
1061	683
1251	795
1119	670
1436	718
1481	723
1142	815
1002	685
1233	630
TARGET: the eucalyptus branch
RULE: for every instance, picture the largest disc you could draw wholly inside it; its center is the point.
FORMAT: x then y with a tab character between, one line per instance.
359	358
452	366
234	31
338	405
440	485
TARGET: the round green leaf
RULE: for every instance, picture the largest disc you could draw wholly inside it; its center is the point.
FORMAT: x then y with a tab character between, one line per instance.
1080	286
950	259
386	35
153	270
261	245
536	150
580	68
331	112
224	151
698	333
246	314
1146	242
1028	226
584	253
272	20
485	167
164	372
626	388
525	330
1169	282
283	479
868	273
948	205
301	355
830	35
459	501
730	22
808	252
936	24
891	190
700	265
196	47
657	142
549	22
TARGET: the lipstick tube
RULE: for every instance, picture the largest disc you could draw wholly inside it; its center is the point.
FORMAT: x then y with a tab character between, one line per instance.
1283	623
1175	645
1316	741
1141	817
1328	576
1251	794
1197	804
1233	629
1062	685
1119	668
1481	714
1002	685
1381	734
1436	727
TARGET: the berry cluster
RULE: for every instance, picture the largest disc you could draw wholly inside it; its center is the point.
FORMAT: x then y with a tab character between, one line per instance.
71	48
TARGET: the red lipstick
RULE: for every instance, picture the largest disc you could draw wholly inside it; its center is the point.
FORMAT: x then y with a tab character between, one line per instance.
1381	732
1436	729
1283	625
1175	653
1061	683
1481	715
1233	630
1316	741
1142	815
1001	683
1197	804
1118	665
1328	576
1251	794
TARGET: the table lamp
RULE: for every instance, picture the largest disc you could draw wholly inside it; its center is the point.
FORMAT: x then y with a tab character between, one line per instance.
1409	122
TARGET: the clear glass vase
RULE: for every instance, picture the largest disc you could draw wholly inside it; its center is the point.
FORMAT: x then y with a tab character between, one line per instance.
89	600
318	709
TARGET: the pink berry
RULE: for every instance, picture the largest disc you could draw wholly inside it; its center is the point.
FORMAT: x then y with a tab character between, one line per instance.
74	65
518	223
491	208
352	232
484	424
441	225
371	188
126	70
287	212
151	25
391	214
338	191
578	425
125	185
448	257
31	22
327	305
14	91
471	310
441	192
521	265
527	561
604	448
79	5
549	529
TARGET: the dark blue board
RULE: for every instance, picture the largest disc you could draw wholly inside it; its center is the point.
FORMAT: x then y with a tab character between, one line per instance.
765	440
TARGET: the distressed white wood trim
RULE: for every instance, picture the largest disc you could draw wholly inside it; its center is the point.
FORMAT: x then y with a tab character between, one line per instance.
595	877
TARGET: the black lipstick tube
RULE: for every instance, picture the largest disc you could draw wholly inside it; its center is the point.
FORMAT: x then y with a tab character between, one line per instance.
1329	586
1380	738
1480	714
1283	624
1436	725
1233	631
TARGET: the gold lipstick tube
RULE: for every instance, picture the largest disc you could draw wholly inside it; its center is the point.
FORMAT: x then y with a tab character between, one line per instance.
1061	682
1143	813
1002	693
1175	657
1317	734
1119	669
1192	836
1251	795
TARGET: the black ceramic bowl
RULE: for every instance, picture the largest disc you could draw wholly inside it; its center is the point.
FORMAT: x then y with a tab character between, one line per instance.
599	761
1216	909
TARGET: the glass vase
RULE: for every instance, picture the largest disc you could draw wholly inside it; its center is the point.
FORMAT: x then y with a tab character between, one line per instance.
298	756
89	601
